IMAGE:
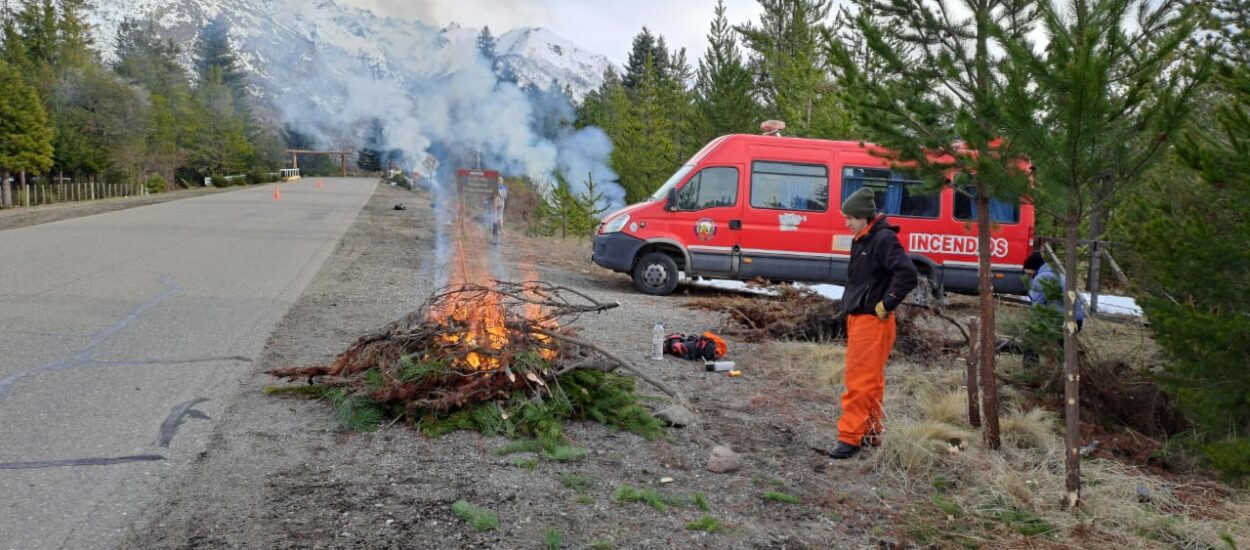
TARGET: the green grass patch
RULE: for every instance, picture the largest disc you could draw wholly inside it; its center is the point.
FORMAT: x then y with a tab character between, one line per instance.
947	507
655	499
530	464
602	545
1020	521
479	518
565	453
782	497
706	523
553	539
577	482
585	499
700	502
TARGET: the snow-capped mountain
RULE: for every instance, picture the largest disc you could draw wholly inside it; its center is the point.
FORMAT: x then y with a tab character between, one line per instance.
275	37
335	73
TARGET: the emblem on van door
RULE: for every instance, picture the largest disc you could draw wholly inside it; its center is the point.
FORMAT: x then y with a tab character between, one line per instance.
705	229
790	221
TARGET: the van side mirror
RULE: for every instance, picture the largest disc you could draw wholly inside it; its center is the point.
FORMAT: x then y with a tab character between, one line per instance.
671	206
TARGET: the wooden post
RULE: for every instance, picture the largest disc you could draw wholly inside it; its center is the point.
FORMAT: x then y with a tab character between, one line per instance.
26	195
343	163
974	401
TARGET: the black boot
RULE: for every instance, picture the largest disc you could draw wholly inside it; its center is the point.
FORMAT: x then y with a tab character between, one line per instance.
843	450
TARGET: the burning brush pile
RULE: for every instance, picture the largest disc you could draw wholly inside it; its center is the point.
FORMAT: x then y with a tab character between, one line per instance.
499	359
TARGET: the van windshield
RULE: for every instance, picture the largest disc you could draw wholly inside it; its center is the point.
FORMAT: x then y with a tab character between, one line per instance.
673	180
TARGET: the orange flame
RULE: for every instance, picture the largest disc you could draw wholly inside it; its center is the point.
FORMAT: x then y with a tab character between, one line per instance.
477	328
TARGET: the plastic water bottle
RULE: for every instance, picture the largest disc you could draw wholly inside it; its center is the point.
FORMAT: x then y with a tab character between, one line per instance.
657	341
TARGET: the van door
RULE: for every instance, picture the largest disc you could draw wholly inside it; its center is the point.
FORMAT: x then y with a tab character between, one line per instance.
706	219
786	222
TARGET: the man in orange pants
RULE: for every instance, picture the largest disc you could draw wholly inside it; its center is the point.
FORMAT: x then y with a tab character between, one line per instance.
879	276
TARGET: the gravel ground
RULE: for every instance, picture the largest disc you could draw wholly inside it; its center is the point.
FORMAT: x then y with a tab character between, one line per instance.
279	473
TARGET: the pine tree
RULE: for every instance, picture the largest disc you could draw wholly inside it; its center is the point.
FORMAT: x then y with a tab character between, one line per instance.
214	52
223	148
486	45
646	51
1092	113
369	158
644	152
74	36
790	69
936	105
1201	321
723	102
25	135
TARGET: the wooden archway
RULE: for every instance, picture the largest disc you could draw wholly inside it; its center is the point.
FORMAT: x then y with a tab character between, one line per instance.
295	153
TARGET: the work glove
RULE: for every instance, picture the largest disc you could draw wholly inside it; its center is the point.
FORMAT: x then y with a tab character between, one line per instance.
881	312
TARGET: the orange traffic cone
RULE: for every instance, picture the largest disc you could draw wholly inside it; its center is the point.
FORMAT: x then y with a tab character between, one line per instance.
277	192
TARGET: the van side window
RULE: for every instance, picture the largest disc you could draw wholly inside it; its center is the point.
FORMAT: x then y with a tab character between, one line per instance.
710	188
1000	211
896	193
786	186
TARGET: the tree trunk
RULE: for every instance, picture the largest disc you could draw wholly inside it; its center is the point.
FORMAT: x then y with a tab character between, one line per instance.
985	283
6	191
1071	368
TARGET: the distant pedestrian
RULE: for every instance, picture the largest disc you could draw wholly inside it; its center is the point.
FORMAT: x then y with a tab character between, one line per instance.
501	197
879	277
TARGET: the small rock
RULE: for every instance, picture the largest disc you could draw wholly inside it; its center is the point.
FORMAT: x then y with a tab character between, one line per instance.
675	415
666	480
723	460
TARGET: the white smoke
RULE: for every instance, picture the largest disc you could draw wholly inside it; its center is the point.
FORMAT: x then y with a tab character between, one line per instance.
446	100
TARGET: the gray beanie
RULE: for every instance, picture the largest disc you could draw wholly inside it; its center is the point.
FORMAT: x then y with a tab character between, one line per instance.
860	204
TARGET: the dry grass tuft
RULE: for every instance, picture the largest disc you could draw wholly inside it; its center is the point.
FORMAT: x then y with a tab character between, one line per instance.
803	364
911	448
949	407
1032	429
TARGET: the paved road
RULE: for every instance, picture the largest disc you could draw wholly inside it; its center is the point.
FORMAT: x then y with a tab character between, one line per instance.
109	322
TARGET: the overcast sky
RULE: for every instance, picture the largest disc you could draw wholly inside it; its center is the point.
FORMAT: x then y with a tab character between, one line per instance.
600	26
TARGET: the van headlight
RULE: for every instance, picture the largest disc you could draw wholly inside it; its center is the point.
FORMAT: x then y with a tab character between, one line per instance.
616	224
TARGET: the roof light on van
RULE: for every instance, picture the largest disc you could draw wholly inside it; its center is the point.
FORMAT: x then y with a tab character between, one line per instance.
615	225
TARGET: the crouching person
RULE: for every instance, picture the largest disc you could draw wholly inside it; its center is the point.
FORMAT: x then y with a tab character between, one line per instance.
879	277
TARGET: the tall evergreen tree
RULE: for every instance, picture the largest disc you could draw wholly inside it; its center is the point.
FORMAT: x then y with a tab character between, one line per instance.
74	42
1092	114
214	53
25	135
723	102
646	51
792	76
369	157
486	45
1202	321
223	147
644	152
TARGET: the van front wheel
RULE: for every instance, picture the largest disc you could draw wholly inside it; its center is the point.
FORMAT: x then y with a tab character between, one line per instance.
655	274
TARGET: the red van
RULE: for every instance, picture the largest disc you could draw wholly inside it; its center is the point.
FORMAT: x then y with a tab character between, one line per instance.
747	207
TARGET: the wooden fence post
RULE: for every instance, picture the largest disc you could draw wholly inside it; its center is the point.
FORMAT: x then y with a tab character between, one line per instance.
974	400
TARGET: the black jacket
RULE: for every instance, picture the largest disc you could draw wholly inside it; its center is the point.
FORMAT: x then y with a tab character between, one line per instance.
880	270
